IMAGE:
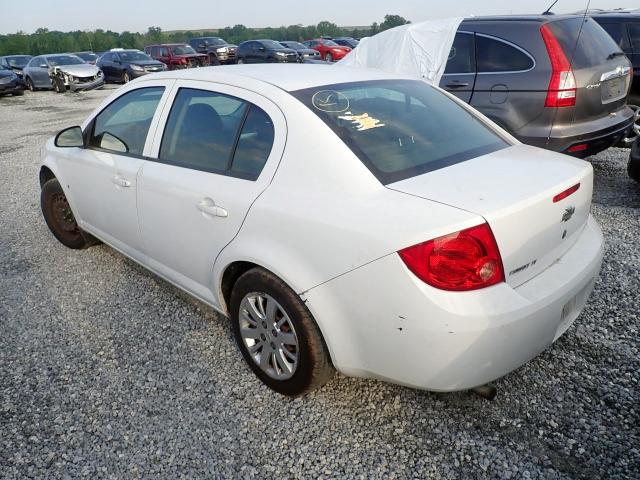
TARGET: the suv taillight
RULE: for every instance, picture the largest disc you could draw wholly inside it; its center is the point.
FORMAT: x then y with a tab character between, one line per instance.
562	86
464	260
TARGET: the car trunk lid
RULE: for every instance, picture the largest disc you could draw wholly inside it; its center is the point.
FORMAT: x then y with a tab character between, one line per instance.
513	189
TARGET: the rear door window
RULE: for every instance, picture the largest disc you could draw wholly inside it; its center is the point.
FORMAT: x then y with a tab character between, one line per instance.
254	144
462	58
401	128
494	56
584	42
634	34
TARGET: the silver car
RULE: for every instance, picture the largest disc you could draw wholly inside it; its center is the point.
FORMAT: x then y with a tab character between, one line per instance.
62	72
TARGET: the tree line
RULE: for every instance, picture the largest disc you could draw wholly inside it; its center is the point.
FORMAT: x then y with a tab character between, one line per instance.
45	41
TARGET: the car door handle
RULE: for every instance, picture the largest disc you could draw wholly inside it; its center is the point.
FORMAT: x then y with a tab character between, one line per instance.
456	85
121	182
209	207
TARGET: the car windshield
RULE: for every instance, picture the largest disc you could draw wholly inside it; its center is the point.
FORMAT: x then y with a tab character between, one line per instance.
18	61
213	41
328	43
57	60
87	57
133	56
294	45
182	50
401	128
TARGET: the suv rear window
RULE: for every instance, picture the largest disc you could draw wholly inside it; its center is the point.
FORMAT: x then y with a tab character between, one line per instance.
400	128
589	47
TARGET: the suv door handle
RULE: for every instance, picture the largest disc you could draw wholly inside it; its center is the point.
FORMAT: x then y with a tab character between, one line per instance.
455	84
121	182
208	207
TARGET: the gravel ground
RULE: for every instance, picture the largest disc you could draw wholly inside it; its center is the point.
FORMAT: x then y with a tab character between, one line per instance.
107	371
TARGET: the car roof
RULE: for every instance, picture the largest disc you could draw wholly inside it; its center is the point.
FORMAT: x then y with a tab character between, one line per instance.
519	18
288	77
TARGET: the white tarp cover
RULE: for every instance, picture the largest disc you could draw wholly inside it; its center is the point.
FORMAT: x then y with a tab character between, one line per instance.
417	49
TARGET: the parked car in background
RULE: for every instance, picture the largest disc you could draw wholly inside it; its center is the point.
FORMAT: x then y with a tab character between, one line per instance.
346	42
120	65
15	63
265	51
62	72
88	57
219	50
406	239
304	52
10	82
329	50
177	55
533	76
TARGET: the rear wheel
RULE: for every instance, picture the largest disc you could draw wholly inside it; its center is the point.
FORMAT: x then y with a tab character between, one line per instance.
59	217
328	57
277	335
29	83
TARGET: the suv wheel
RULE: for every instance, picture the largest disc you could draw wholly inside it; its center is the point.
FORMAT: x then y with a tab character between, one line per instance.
240	61
277	335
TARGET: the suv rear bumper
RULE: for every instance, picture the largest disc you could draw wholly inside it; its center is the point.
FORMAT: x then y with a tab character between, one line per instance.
592	136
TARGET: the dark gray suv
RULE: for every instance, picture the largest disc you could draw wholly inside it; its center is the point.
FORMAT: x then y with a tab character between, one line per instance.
557	82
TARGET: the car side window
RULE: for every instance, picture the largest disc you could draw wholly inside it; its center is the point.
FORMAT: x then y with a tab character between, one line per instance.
634	34
462	57
108	57
201	130
254	144
618	32
122	127
164	52
493	55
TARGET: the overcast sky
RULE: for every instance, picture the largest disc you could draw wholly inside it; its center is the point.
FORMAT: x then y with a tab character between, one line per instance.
137	15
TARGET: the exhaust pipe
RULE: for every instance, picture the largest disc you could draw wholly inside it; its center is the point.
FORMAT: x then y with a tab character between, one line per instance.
488	392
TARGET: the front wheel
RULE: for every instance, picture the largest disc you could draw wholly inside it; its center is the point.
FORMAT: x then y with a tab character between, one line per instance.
125	77
240	61
59	217
328	57
277	334
58	85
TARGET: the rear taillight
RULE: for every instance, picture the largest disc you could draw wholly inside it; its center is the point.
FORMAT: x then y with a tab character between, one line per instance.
465	260
562	86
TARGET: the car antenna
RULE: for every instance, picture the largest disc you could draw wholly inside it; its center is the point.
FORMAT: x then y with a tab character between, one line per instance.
548	10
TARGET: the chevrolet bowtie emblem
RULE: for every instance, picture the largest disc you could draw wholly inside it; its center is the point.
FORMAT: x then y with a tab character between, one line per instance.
568	213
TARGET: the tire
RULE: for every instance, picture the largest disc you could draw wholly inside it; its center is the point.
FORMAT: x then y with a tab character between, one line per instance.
213	60
240	61
328	57
125	77
58	85
59	217
290	334
29	83
633	167
18	93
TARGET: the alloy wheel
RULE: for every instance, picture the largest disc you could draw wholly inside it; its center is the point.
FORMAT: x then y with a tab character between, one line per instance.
268	335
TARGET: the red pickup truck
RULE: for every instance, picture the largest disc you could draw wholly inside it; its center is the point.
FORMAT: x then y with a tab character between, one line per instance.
177	55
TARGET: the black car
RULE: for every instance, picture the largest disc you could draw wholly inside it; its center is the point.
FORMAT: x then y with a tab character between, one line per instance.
218	49
15	63
88	57
10	83
265	51
624	28
124	65
554	81
304	52
346	42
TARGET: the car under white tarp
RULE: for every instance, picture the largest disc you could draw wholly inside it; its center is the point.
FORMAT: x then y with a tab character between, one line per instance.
416	49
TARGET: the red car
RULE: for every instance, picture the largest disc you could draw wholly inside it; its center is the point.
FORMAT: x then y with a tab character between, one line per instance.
177	55
329	50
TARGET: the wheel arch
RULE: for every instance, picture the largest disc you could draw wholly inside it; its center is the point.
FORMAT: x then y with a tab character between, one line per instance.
45	175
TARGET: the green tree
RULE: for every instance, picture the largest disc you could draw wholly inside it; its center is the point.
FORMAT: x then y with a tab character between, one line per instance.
391	21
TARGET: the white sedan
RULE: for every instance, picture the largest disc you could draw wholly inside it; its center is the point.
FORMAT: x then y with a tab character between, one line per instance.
341	218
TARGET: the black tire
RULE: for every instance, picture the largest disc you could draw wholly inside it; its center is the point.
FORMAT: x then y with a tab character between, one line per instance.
314	366
633	167
240	61
328	57
29	84
18	93
58	85
59	217
213	60
125	77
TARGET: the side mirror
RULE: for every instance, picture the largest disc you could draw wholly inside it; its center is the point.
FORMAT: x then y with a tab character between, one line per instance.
70	137
262	49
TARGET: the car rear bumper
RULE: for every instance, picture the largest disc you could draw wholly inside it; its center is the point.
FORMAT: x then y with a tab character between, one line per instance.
584	138
380	321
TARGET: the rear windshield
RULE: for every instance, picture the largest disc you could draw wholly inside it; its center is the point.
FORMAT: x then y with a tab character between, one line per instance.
400	128
590	47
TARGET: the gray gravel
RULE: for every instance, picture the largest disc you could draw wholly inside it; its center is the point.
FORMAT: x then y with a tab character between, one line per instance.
107	371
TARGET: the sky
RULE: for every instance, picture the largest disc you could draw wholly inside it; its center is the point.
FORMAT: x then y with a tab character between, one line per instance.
138	15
